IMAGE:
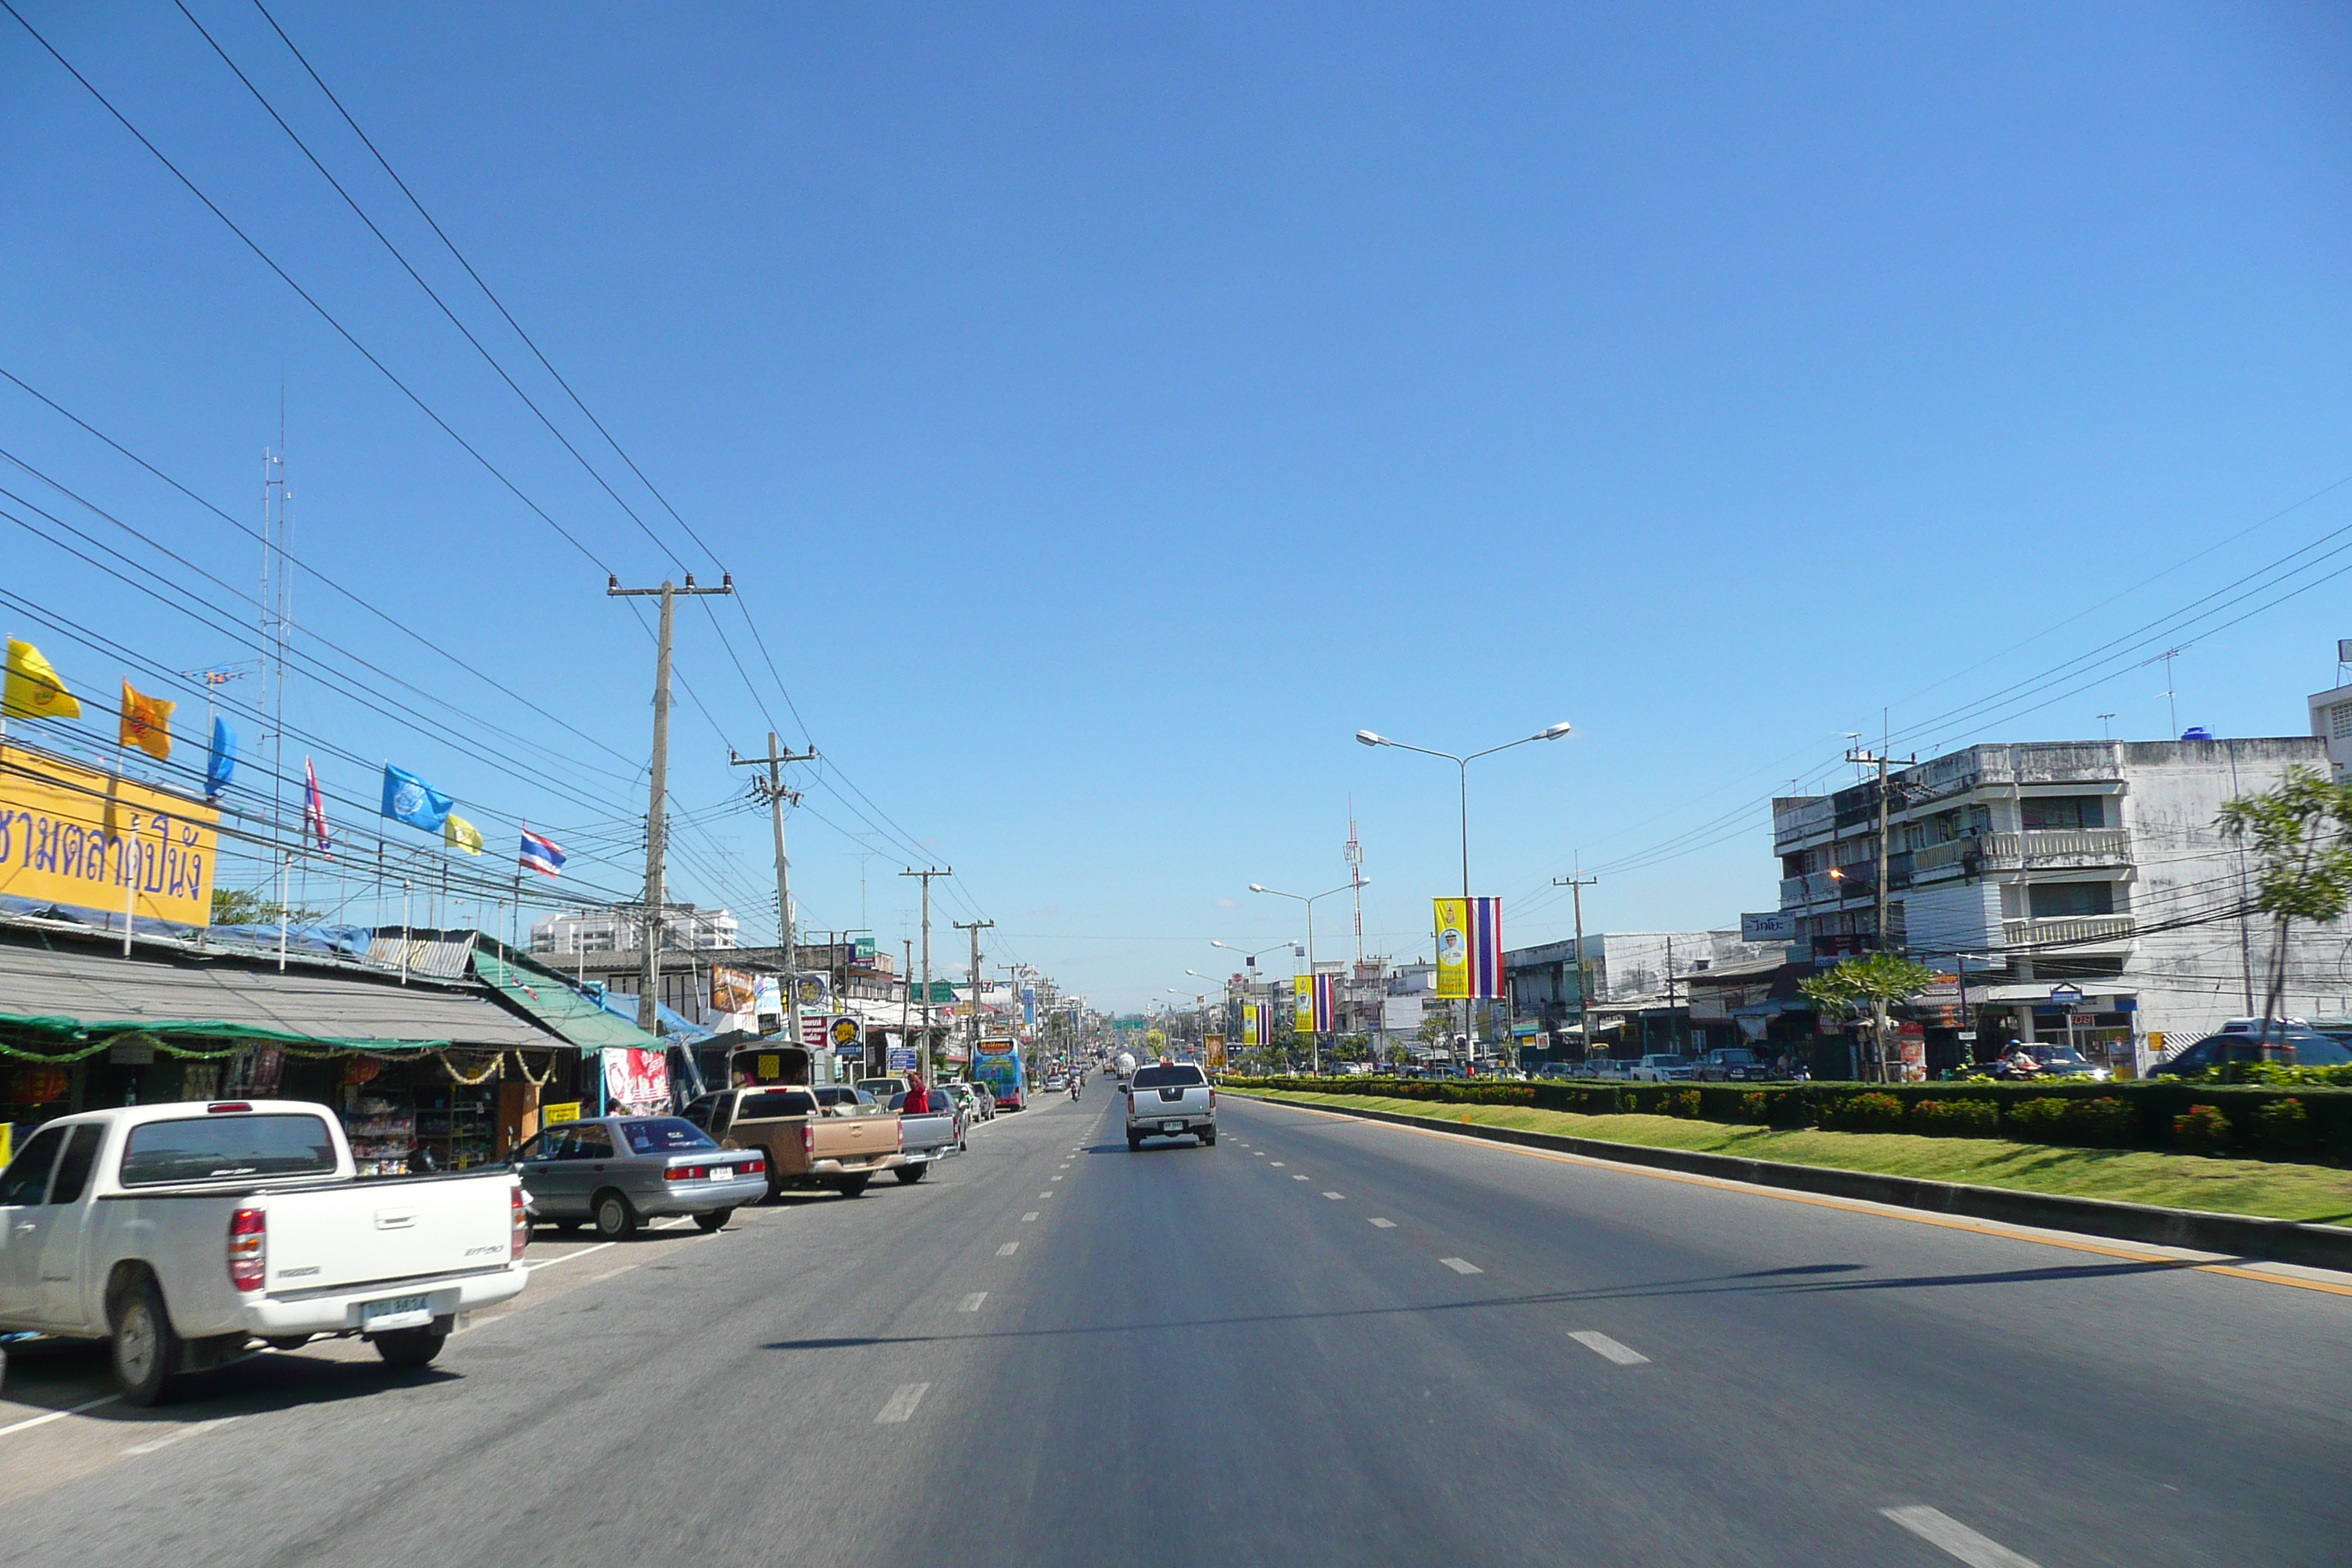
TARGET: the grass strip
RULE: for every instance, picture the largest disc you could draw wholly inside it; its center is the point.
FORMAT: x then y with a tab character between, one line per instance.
2316	1194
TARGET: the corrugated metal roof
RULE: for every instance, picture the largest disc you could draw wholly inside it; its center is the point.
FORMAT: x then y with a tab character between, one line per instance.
546	996
98	992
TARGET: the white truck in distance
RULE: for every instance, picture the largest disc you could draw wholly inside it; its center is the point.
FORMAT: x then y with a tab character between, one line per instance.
1168	1100
182	1232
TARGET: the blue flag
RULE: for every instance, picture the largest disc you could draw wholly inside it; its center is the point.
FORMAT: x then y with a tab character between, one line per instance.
220	766
409	799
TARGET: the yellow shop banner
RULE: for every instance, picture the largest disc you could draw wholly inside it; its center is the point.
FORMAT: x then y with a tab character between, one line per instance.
72	835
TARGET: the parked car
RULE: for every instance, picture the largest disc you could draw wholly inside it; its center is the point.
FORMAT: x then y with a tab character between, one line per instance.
113	1226
2295	1046
965	1099
1168	1100
1732	1064
882	1088
2046	1059
925	1139
983	1099
618	1172
1665	1069
802	1143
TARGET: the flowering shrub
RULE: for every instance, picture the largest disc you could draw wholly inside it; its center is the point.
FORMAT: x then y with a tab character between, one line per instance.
2202	1128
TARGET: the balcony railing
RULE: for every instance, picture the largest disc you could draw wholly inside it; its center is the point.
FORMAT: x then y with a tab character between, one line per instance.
2025	851
1796	891
2066	928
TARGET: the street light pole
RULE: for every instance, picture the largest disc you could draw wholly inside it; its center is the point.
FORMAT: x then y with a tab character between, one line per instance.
1315	1042
1552	732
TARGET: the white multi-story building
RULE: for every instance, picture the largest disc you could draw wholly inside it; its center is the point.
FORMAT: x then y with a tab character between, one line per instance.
621	929
2092	864
2331	722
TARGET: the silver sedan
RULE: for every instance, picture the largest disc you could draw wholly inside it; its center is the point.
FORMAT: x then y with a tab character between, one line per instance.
617	1171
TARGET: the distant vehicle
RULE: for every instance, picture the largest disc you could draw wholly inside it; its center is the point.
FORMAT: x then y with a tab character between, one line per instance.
1666	1069
1123	1065
803	1143
964	1098
882	1088
983	1102
925	1139
1000	1067
2047	1059
1732	1064
1169	1101
618	1172
1056	1084
2294	1048
180	1232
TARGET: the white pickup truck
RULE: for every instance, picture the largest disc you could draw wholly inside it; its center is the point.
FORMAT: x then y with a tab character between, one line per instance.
182	1232
1169	1101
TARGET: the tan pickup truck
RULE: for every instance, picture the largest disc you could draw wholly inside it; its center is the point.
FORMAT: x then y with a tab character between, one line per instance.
806	1145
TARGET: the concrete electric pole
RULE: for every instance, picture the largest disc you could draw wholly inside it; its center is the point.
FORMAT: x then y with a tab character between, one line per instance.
927	874
772	789
649	977
1576	886
972	1037
1878	929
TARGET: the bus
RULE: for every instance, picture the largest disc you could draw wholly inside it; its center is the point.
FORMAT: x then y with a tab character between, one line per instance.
1000	1067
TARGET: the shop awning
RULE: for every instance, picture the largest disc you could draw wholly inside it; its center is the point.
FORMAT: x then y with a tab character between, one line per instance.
83	992
579	1019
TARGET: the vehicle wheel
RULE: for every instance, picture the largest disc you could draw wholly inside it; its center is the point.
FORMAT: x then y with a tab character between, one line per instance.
1208	1140
853	1187
146	1348
409	1348
716	1218
616	1217
1134	1141
909	1174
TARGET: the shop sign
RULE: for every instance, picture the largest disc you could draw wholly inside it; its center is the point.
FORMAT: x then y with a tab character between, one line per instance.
567	1111
733	991
846	1032
72	835
903	1058
1774	925
638	1080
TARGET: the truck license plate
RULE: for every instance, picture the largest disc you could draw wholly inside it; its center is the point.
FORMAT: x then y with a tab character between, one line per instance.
1171	1127
396	1312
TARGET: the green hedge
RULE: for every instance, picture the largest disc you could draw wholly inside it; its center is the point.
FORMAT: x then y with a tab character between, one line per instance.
2309	1124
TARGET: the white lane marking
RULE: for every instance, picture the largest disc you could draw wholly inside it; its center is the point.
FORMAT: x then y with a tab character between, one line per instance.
569	1257
902	1404
1939	1528
971	1302
1297	1177
611	1273
32	1421
165	1442
1384	1224
1602	1345
1030	1216
1461	1266
1259	1152
1335	1195
1008	1249
1047	1195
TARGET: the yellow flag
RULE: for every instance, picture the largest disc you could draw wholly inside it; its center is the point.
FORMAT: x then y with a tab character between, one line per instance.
33	690
459	834
147	724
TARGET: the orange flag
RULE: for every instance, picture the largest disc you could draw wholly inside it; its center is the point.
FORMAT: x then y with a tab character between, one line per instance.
147	724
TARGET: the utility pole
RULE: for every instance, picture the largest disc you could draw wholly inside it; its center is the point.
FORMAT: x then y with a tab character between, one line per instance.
1576	886
772	789
1878	898
972	1037
649	980
927	874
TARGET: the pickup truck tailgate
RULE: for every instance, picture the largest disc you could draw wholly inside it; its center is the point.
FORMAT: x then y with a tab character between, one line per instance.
1171	1101
369	1231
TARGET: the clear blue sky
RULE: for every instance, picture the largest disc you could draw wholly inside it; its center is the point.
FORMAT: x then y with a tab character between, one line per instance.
1110	410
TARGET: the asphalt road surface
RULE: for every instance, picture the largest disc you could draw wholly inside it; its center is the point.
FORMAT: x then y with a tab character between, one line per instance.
1322	1342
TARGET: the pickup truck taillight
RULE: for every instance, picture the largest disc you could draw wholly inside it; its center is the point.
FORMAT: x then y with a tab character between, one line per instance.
521	1222
808	1139
249	1249
1130	1102
902	1134
1213	1098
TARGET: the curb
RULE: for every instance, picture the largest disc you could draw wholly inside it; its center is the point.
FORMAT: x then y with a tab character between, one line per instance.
2235	1235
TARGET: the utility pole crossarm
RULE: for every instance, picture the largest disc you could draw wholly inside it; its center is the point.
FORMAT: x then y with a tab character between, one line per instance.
772	789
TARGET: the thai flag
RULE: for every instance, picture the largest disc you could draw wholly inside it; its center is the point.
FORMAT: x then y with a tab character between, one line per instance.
1485	947
1326	1016
541	854
314	809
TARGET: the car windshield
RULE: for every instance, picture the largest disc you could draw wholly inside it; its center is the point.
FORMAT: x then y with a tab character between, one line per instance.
664	1135
1168	1076
212	1148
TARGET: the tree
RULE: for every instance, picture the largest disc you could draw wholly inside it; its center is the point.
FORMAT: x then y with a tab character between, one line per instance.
2302	832
1873	983
236	907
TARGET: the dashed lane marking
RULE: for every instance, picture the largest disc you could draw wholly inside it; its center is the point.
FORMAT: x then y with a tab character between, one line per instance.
1279	1164
569	1257
901	1403
1008	1249
183	1433
30	1422
1939	1528
1030	1216
971	1303
1057	1178
1335	1195
1383	1223
1600	1344
1045	1194
1297	1177
1461	1266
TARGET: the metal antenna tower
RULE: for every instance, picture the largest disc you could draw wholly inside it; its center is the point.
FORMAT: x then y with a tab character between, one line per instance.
1354	853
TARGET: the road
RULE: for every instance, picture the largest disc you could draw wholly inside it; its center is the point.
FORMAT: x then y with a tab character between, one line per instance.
1322	1342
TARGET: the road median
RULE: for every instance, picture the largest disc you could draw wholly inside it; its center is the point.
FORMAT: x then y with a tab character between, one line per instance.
2303	1227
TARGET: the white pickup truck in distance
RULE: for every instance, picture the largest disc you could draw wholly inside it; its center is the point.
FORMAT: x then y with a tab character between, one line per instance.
182	1232
1168	1100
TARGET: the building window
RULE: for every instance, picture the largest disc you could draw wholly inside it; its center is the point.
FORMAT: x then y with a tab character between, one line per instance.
2054	900
2064	812
2339	721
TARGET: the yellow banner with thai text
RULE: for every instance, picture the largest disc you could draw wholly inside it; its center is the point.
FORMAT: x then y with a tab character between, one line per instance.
1453	948
75	837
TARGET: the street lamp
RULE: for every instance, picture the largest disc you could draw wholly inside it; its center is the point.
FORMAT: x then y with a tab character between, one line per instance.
1315	1045
1553	733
